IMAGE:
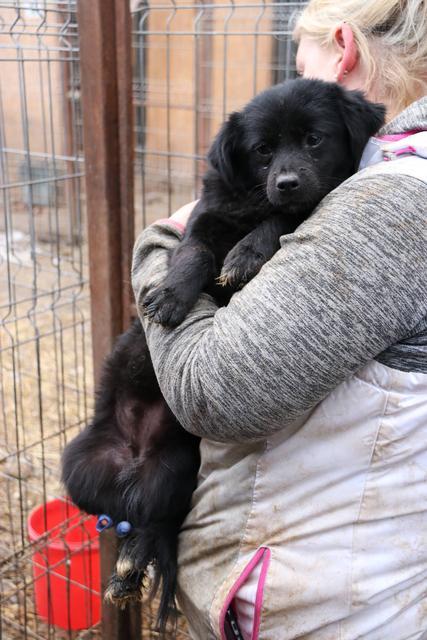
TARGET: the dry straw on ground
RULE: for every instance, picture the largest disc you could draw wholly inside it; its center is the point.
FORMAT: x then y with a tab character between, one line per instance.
46	397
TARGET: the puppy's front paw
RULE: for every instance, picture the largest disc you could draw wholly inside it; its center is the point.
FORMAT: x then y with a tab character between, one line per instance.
240	265
165	306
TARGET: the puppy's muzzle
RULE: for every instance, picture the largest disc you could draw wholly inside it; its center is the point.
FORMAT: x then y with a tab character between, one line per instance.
287	183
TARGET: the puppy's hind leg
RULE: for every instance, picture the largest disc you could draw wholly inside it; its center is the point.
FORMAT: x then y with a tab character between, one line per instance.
157	546
128	578
153	545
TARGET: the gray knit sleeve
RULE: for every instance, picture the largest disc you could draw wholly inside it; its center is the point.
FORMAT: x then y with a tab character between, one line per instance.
350	281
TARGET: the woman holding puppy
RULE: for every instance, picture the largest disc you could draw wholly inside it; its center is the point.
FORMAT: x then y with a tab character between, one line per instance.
310	388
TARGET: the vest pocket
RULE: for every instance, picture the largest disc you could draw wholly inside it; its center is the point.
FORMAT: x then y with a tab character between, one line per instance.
246	597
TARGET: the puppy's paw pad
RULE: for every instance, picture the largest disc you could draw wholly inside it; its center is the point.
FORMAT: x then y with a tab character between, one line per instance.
164	306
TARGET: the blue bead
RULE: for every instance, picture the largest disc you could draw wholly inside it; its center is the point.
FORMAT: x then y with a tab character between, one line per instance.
123	528
104	522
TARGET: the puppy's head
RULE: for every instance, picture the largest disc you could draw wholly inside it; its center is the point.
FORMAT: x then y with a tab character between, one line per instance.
295	142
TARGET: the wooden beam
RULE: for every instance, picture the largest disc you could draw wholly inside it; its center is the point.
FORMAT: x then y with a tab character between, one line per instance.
106	83
104	29
102	166
126	148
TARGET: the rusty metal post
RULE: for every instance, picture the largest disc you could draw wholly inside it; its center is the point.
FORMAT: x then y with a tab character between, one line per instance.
106	82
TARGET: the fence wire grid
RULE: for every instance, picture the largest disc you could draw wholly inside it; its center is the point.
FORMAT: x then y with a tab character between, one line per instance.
193	63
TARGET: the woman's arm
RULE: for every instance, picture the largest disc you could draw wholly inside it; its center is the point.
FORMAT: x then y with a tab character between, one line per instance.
351	281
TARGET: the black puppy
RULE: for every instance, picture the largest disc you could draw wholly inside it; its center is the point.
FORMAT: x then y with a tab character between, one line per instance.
135	463
270	165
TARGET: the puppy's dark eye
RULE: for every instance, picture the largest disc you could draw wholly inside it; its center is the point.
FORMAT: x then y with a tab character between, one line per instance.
263	150
313	139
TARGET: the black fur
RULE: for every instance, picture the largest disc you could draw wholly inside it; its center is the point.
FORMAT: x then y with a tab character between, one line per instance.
134	462
270	165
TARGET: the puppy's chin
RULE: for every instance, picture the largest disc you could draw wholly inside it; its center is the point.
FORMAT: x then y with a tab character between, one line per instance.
294	205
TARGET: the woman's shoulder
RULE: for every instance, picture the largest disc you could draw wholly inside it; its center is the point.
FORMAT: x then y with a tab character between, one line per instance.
414	166
375	198
370	221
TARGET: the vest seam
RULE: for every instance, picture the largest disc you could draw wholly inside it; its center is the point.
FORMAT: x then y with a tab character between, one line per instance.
392	385
359	511
371	384
242	540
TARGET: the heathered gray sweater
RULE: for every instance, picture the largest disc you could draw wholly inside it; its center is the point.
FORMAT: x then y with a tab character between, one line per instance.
348	286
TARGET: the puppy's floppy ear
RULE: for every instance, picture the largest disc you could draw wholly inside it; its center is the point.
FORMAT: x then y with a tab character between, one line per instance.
362	119
224	153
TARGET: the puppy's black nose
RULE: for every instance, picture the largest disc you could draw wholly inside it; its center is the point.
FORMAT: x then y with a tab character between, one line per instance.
287	182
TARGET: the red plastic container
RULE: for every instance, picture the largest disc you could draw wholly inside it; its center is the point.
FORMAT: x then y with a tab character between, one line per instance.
65	565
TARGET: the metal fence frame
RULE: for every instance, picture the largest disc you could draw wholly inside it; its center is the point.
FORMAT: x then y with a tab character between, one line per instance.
45	379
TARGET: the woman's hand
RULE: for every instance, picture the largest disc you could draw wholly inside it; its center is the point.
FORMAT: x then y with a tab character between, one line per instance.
181	216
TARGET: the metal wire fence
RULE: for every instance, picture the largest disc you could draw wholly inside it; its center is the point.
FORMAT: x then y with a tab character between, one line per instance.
46	379
193	62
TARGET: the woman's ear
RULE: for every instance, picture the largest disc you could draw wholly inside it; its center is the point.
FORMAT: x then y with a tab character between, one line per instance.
346	46
224	152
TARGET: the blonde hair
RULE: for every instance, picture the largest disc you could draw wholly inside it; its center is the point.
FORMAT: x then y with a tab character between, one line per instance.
391	37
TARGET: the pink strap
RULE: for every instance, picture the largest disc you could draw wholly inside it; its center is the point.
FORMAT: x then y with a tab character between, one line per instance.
262	555
260	593
172	223
394	137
